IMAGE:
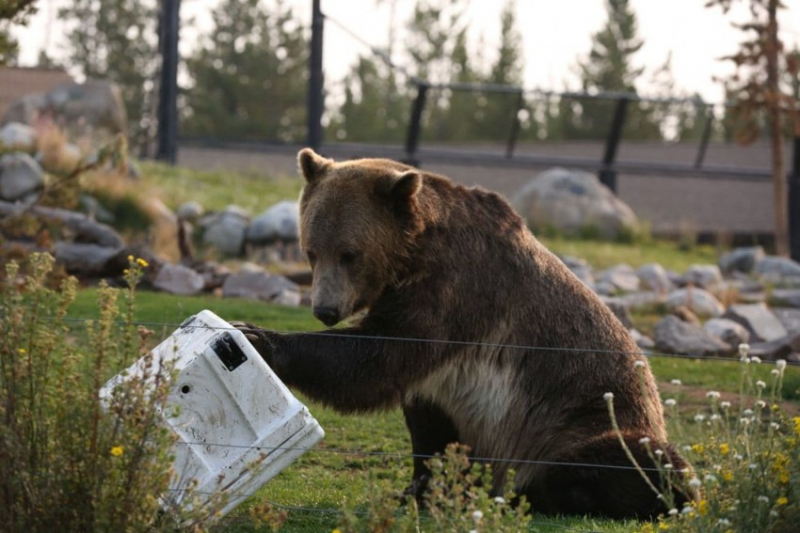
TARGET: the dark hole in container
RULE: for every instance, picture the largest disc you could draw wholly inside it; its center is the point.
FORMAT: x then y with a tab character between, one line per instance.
186	389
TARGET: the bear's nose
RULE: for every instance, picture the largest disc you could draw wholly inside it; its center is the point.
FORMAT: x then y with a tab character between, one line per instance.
327	315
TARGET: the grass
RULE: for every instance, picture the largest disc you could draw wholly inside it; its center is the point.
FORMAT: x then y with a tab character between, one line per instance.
350	463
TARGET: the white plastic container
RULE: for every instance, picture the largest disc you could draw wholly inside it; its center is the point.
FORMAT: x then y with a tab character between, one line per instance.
237	425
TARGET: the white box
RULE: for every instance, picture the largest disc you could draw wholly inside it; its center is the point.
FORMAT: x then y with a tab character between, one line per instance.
236	423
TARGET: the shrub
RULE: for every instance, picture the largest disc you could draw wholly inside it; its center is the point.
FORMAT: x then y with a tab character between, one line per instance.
66	462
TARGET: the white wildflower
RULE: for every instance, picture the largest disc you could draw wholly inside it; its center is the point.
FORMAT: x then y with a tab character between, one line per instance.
659	453
668	466
709	478
752	466
747	412
672	512
688	509
638	364
644	440
775	425
477	515
699	417
676	382
714	417
608	396
725	405
737	457
499	500
695	483
670	402
712	394
760	384
724	522
781	364
774	514
763	499
761	404
744	349
755	359
744	421
775	372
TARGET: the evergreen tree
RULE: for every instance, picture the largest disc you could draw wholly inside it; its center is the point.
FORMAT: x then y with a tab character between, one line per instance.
249	75
116	40
609	68
12	12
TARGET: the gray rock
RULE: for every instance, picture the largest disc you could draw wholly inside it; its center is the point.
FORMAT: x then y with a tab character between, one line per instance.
190	211
18	137
783	348
620	311
741	259
642	299
84	259
706	277
278	223
605	288
179	279
790	318
672	335
256	285
622	277
582	270
762	324
573	201
699	301
729	331
775	267
786	297
288	297
654	277
642	341
20	175
95	210
225	231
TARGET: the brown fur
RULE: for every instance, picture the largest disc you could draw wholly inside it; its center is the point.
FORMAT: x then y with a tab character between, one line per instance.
430	260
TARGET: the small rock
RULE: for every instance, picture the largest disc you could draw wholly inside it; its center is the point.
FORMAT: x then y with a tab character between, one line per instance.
278	223
179	279
741	259
762	324
642	300
707	277
622	277
699	301
729	331
83	258
655	278
18	136
672	335
783	348
225	231
190	211
20	175
790	318
95	210
774	267
257	286
581	269
620	310
642	341
786	297
287	297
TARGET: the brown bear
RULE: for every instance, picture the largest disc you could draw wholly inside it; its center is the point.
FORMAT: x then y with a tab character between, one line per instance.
477	331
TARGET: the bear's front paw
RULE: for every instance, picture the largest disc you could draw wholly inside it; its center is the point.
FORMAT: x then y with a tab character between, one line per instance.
259	338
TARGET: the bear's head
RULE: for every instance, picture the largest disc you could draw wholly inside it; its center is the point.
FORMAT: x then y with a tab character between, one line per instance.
358	221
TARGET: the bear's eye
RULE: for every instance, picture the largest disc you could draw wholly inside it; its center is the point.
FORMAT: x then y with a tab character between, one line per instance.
312	257
348	257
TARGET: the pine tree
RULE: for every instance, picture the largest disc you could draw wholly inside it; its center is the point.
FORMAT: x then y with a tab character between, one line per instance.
116	40
12	12
248	75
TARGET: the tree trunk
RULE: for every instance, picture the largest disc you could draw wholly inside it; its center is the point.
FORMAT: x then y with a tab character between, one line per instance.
773	102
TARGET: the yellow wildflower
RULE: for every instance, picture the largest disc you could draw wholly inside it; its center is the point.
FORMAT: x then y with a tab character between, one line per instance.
797	424
702	507
698	448
142	263
783	500
130	259
116	451
647	528
663	526
337	530
724	449
727	475
22	351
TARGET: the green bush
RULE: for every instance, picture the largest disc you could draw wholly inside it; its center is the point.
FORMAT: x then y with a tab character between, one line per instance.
68	462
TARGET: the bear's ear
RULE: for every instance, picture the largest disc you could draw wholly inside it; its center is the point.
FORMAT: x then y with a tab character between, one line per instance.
400	188
312	165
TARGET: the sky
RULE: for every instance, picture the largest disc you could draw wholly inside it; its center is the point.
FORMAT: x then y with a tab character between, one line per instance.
555	35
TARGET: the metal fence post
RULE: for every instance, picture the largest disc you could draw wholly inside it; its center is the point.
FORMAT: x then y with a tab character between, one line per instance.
794	202
705	137
608	175
315	78
415	124
168	92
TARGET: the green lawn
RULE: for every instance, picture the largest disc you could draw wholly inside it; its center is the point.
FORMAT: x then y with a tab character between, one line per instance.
352	460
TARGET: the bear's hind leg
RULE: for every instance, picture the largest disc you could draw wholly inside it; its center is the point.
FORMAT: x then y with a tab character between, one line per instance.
614	489
431	431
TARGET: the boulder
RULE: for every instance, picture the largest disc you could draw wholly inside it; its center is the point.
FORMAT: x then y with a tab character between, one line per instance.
20	175
83	259
729	331
707	277
741	259
257	285
18	137
622	277
699	301
762	323
786	297
178	279
783	348
774	267
580	267
642	299
279	223
654	277
620	310
642	341
790	318
672	335
573	202
96	104
225	231
190	211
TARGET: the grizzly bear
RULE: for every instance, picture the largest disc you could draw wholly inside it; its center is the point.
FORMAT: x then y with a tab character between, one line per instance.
477	331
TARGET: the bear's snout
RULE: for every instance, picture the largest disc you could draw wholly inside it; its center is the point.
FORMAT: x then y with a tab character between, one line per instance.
327	315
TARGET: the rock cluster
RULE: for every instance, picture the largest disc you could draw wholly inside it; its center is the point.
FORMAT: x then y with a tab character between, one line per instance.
710	309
